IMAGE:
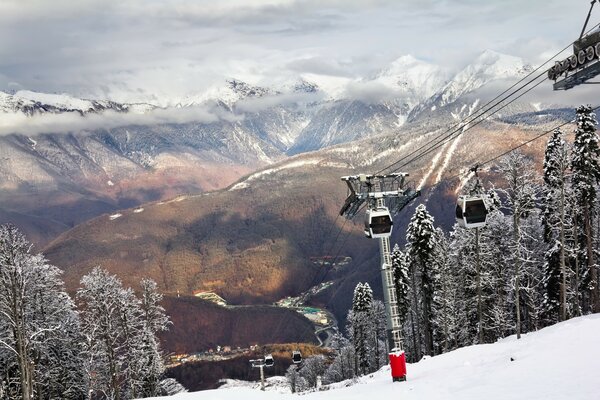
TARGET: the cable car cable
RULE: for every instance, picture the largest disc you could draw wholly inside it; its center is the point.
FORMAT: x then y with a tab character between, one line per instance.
480	112
466	125
456	134
511	149
515	84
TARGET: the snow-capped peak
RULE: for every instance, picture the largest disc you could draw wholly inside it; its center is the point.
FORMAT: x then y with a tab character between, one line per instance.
63	101
488	67
416	78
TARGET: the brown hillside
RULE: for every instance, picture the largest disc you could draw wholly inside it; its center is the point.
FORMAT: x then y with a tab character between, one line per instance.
253	244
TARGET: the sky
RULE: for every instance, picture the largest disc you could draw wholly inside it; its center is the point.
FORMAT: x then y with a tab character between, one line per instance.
162	51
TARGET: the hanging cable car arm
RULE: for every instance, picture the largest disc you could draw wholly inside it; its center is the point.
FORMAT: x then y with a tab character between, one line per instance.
588	18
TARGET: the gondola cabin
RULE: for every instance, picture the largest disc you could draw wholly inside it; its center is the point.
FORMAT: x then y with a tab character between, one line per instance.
471	211
269	361
296	357
378	223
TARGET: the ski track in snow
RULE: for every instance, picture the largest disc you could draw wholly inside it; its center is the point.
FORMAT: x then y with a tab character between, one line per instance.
434	163
294	164
558	362
447	159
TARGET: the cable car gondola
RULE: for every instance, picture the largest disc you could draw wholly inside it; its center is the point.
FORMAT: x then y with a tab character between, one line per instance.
471	211
269	361
378	223
296	357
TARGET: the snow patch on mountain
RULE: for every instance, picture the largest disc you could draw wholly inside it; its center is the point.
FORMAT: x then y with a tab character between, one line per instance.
290	165
488	67
415	80
63	101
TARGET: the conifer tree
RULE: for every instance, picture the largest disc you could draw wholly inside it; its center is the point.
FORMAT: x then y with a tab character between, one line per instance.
400	268
586	175
360	328
555	222
421	242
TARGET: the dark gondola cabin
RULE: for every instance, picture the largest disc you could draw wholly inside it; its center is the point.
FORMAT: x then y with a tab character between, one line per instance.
296	357
269	361
471	211
378	223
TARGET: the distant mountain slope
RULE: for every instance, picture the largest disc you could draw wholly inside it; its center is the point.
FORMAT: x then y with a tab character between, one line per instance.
256	241
208	141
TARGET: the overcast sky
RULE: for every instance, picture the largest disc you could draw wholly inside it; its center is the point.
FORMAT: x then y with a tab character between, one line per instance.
130	50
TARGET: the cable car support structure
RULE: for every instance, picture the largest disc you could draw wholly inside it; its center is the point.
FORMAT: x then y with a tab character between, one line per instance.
382	193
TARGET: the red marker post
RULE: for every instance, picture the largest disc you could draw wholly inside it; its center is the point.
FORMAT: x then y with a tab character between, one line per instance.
398	365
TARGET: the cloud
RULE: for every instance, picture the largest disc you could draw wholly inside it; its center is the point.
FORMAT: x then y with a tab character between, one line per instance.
370	92
71	122
74	122
257	104
166	50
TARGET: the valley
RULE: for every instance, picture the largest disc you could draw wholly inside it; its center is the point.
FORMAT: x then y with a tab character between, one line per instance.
243	206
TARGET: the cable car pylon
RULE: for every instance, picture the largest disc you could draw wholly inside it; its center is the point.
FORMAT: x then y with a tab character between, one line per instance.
384	195
583	64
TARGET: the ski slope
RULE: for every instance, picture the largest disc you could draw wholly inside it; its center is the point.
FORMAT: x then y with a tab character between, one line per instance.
558	362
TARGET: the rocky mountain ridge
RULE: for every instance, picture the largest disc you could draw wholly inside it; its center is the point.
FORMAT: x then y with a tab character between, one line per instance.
208	141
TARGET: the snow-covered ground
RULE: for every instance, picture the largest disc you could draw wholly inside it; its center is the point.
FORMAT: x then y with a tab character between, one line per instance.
558	362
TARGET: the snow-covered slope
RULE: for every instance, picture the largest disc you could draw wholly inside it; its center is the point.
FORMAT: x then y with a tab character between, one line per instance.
466	86
558	362
414	80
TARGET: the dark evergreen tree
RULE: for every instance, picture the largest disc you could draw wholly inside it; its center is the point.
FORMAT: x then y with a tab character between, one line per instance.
554	221
400	268
586	175
421	242
360	327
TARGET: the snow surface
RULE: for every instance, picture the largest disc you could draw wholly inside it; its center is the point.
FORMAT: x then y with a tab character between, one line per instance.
558	362
57	100
294	164
115	216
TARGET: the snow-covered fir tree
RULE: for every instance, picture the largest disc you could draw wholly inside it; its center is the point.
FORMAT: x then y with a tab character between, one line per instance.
296	382
360	327
378	319
421	244
400	268
586	175
555	221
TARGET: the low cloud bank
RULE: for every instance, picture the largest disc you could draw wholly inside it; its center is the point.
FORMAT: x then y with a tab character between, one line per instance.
73	122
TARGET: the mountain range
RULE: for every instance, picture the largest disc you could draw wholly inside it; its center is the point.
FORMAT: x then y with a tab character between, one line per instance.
235	190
